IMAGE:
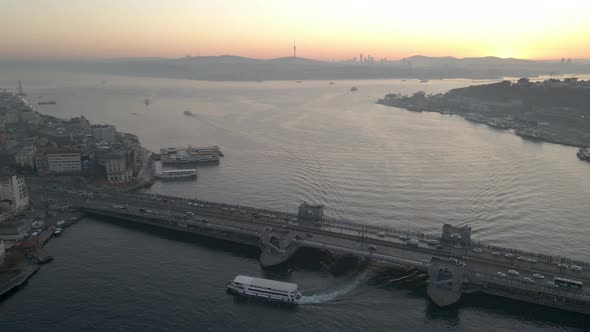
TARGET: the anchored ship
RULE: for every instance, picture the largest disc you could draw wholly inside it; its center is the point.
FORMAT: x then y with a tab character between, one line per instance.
190	154
264	289
177	174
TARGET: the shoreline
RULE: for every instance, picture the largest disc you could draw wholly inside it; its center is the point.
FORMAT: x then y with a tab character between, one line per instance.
526	132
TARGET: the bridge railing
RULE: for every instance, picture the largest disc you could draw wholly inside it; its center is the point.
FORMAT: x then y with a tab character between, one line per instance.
332	222
520	283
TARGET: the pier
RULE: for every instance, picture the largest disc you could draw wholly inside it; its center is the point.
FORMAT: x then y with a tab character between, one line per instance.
455	263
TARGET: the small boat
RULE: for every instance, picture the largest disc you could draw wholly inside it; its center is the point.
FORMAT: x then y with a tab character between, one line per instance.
49	102
354	88
146	102
331	83
188	113
298	82
423	81
265	289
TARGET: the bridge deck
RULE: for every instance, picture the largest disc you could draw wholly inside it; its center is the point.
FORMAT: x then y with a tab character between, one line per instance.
223	220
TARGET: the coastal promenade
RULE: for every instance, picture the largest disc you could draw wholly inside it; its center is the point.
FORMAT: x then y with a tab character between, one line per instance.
455	263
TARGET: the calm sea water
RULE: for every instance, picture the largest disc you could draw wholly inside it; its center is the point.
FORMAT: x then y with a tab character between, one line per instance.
286	142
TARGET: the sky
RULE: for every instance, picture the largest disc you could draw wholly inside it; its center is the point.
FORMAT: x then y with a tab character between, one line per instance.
321	29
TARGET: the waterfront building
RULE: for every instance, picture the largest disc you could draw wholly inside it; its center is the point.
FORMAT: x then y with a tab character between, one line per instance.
64	162
13	190
119	166
25	158
12	231
104	133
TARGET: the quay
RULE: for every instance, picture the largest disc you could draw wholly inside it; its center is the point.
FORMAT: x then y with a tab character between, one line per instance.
454	262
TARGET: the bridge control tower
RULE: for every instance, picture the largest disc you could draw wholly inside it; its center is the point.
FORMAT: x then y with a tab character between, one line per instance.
311	213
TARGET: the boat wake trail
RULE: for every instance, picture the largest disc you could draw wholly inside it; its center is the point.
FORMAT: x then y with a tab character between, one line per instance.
331	296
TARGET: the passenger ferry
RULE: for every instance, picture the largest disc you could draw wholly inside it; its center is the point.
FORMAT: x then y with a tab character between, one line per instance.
177	174
185	158
265	289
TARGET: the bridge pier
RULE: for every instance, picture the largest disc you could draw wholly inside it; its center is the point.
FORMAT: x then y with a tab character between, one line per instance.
276	246
445	281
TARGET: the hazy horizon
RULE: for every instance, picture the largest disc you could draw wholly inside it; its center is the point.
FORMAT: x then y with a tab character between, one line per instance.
330	30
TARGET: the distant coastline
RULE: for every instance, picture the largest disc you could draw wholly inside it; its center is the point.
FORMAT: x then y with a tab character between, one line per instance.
553	111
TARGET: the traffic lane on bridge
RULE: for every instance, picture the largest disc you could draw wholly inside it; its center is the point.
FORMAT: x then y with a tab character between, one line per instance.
539	267
214	212
484	268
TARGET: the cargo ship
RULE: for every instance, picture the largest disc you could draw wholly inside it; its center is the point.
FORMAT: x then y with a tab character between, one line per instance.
264	289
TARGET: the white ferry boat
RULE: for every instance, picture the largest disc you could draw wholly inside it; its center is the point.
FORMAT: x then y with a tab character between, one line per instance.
185	158
177	174
265	289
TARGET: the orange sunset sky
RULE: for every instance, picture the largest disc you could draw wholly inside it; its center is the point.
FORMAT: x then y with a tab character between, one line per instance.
321	29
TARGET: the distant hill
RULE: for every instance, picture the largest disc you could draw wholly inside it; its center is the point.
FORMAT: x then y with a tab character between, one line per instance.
237	68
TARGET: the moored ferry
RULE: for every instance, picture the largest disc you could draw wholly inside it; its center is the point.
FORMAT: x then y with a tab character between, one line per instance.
265	289
177	174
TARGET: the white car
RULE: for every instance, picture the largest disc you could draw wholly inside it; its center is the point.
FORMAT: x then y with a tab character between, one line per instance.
500	274
432	242
513	273
538	276
576	268
477	250
510	256
531	260
381	234
529	280
496	253
552	284
403	237
414	242
565	266
190	214
190	203
520	258
457	246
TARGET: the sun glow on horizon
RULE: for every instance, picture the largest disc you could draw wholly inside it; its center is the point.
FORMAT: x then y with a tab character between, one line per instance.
326	30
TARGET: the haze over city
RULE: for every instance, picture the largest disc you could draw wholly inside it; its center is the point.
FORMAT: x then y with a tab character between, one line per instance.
324	30
304	165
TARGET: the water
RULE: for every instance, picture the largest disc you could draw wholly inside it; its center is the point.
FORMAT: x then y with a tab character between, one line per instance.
284	143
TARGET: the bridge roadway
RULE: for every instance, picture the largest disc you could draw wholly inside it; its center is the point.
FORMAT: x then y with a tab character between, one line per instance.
346	237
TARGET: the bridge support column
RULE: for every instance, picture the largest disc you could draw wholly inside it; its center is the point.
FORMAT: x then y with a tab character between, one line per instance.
277	246
445	281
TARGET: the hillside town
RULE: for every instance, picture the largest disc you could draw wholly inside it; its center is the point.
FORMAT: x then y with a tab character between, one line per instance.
38	149
553	110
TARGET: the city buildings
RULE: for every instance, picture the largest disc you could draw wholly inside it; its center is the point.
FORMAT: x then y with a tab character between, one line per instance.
13	193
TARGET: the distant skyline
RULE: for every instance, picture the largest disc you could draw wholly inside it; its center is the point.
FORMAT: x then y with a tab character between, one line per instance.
324	30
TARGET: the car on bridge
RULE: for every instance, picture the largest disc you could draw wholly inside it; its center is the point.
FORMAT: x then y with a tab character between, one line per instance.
513	273
531	260
432	242
403	237
189	213
413	243
528	280
509	256
538	276
500	274
381	234
477	250
520	258
496	253
562	265
576	268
